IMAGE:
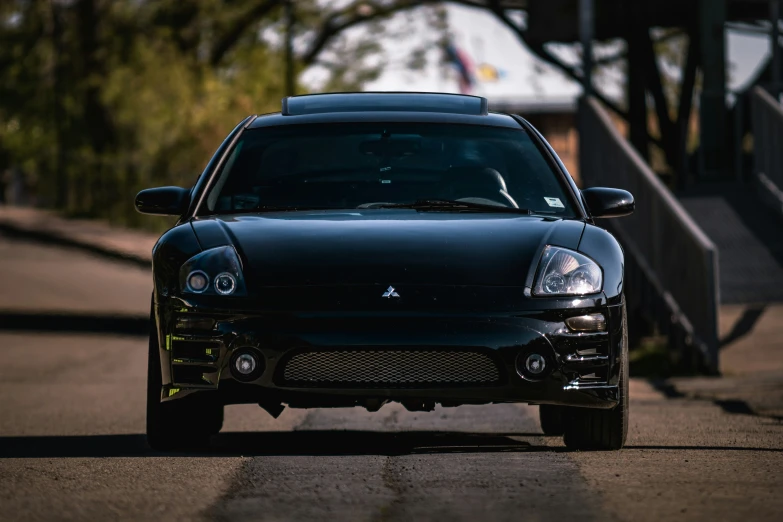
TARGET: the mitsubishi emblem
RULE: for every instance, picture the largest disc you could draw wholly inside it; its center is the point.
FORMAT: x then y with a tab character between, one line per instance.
390	293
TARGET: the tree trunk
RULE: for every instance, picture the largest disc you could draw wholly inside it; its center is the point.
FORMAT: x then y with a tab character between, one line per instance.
95	117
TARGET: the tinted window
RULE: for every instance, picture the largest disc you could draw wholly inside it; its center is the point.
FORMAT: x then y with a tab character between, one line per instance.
358	165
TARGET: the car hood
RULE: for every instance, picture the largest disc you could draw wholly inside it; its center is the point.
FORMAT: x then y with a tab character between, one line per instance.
387	247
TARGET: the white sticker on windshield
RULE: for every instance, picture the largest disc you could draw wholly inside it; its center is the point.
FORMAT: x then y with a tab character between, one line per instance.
554	202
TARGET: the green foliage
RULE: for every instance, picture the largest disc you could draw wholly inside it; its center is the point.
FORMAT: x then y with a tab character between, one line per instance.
170	114
101	98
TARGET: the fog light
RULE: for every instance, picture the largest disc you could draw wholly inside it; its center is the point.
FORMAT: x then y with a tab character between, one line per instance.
245	364
535	363
587	323
197	281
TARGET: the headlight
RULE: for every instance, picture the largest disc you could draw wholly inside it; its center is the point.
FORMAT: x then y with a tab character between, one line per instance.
216	271
565	272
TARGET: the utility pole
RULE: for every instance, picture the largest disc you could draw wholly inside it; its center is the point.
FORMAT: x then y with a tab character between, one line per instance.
586	32
712	107
776	65
636	28
289	48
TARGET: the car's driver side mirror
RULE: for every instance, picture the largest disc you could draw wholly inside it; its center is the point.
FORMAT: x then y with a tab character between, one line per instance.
163	201
608	202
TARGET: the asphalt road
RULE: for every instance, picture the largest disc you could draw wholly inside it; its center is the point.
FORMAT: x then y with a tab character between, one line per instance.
72	444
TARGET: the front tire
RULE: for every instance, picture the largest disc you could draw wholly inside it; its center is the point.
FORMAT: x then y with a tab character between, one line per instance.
182	424
594	429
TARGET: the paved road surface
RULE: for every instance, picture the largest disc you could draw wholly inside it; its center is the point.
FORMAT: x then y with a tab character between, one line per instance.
45	279
72	418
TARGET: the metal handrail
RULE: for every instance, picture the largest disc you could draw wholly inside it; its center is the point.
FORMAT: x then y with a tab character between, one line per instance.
767	116
671	265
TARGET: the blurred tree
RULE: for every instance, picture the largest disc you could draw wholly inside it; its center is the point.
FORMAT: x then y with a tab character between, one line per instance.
99	98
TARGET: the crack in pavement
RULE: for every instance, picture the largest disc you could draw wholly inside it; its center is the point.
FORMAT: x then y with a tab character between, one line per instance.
390	480
461	463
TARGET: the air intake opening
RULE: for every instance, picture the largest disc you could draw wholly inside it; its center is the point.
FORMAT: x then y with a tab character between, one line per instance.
195	351
382	367
191	374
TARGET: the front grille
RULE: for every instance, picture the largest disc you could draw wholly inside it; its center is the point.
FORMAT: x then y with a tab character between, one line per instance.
390	368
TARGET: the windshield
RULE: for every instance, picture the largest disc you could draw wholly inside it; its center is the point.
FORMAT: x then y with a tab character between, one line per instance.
387	165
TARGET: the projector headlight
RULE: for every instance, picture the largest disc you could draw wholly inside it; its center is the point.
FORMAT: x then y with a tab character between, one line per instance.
565	272
216	271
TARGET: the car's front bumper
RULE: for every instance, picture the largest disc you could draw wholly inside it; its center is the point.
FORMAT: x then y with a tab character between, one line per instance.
583	368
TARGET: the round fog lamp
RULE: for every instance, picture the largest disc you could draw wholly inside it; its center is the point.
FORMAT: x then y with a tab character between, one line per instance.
225	284
245	364
535	363
197	281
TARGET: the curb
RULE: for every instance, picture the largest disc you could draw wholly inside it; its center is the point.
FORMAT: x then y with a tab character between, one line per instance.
61	240
74	323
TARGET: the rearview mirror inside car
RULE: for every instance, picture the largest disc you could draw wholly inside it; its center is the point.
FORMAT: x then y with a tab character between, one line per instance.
391	147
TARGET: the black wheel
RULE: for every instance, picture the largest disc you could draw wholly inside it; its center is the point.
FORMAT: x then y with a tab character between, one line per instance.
593	429
184	424
551	418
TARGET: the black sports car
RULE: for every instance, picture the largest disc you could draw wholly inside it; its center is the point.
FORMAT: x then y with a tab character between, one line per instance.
356	249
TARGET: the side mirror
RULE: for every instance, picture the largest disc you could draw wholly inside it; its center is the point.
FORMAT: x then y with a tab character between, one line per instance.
163	201
608	202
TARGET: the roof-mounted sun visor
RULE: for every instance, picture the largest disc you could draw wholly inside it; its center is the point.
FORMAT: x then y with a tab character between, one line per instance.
384	101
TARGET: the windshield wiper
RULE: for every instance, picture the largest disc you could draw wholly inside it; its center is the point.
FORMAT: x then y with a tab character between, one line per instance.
266	208
286	208
445	205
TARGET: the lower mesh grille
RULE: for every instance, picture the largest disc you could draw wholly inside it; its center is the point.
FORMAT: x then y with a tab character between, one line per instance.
392	368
